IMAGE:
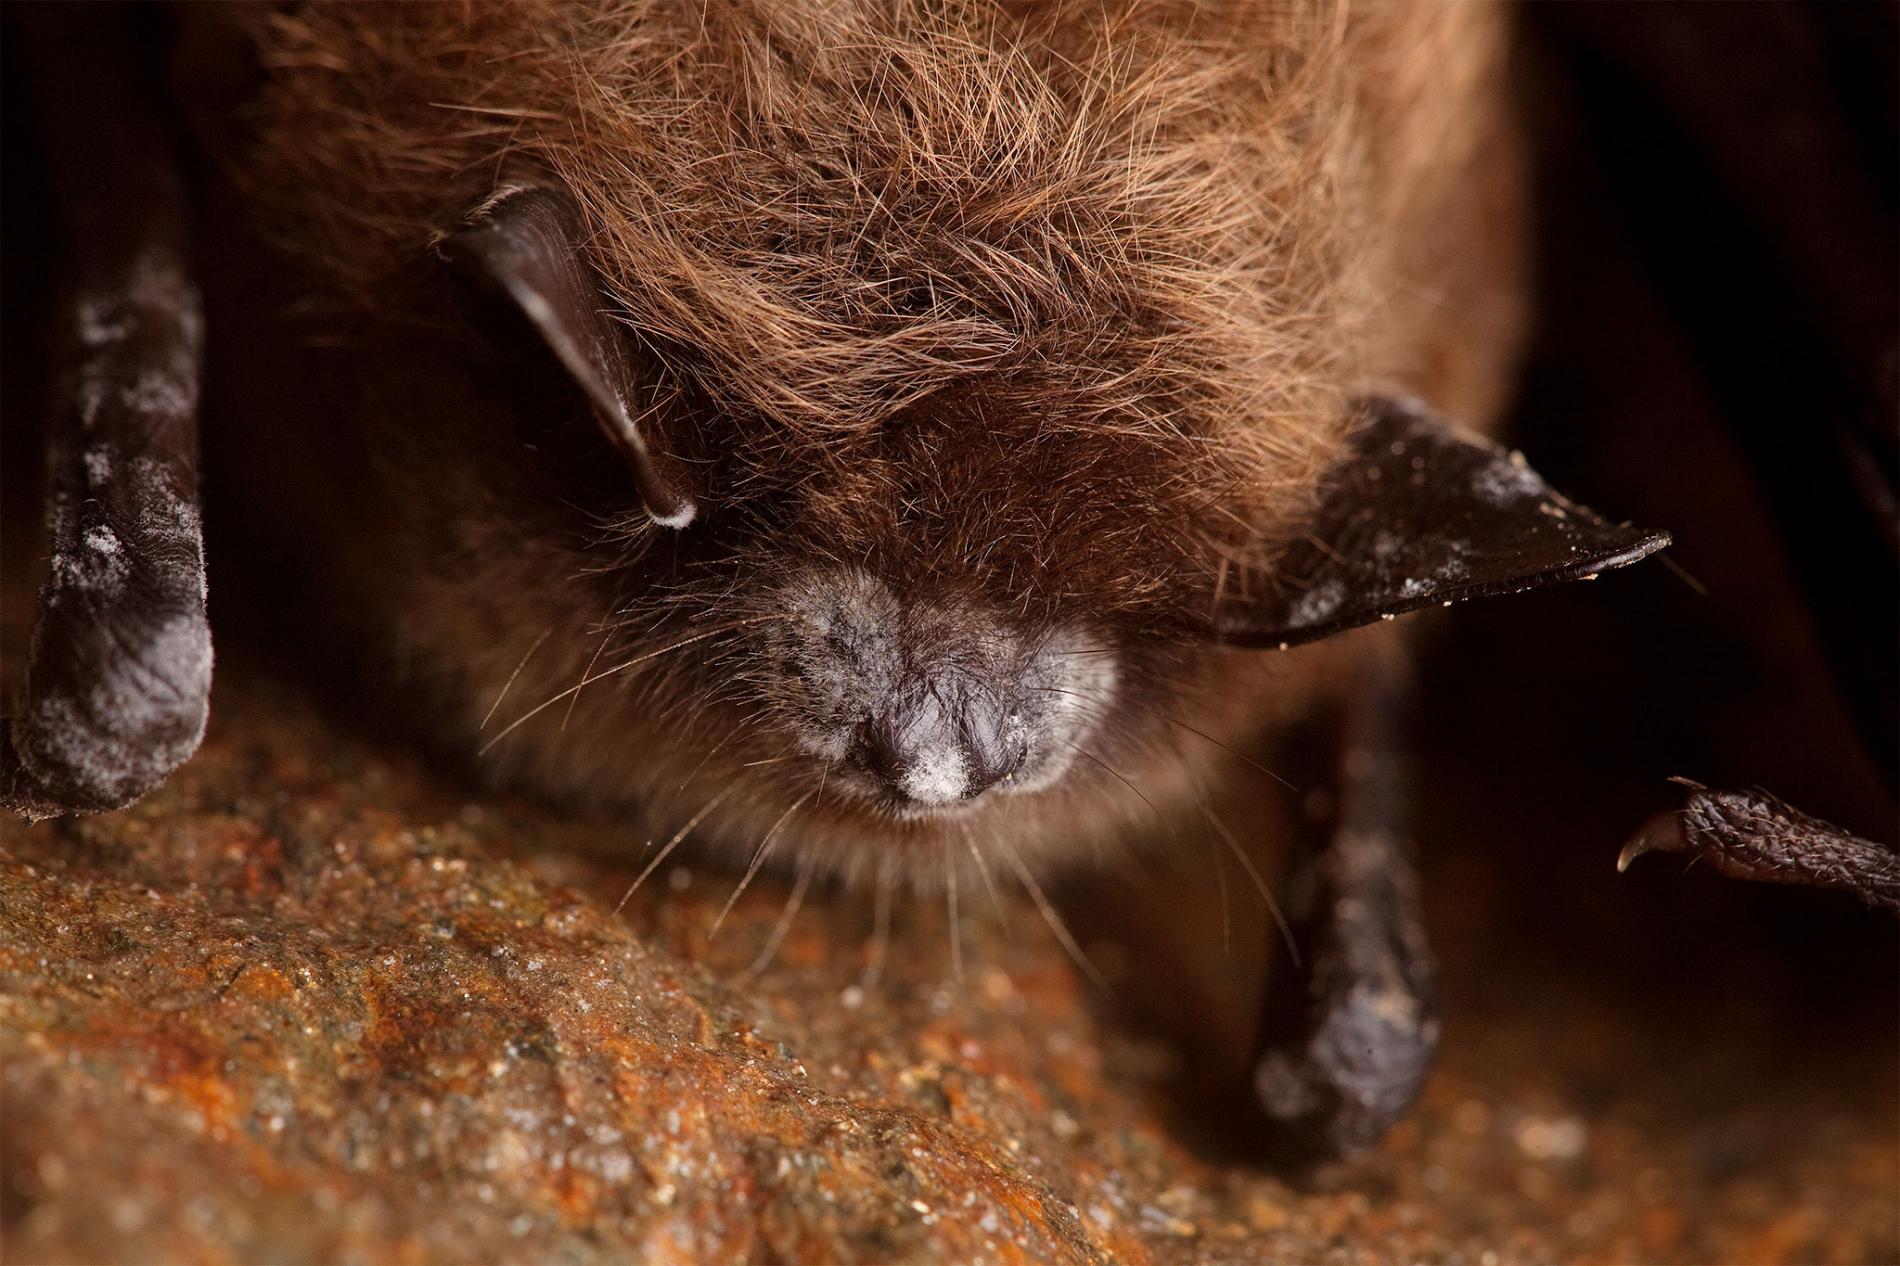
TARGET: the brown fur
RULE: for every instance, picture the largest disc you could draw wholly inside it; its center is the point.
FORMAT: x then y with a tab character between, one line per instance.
1052	307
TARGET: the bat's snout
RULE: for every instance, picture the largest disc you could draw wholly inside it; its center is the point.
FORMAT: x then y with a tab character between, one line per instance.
924	704
942	737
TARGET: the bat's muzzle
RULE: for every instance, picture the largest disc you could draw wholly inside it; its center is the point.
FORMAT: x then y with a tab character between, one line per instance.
926	703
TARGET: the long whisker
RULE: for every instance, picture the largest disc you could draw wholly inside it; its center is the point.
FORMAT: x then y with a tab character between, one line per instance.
1091	756
1238	755
983	869
598	652
671	844
737	728
950	912
1049	916
880	928
758	860
1098	708
621	667
509	684
1246	862
1226	910
1178	722
784	924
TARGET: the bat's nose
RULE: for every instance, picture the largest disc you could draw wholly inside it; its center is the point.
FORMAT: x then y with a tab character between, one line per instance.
942	740
925	702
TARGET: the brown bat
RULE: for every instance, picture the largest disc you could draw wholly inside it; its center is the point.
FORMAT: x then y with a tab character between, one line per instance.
894	441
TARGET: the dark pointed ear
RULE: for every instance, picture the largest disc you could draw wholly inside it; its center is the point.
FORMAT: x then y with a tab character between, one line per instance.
1423	515
523	248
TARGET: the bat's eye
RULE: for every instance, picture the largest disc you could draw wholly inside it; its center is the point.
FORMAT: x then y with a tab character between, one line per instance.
522	252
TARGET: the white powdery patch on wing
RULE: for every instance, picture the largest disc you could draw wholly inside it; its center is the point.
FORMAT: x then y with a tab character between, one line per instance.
165	514
1451	568
1318	603
98	566
101	321
135	723
1498	484
99	563
156	296
164	393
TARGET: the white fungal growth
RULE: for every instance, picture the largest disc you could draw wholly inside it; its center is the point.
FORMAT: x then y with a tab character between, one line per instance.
1498	484
1079	692
100	321
1319	603
850	658
160	392
133	724
98	566
938	776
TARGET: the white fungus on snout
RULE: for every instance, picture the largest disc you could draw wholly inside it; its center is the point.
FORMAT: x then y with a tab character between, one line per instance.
939	775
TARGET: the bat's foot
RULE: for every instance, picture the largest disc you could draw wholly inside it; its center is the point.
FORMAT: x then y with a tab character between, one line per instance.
1754	836
1351	1030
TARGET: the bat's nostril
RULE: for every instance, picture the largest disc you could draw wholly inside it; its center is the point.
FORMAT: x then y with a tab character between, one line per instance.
875	751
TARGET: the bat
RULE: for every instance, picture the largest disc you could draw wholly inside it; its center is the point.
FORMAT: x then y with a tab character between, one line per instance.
893	442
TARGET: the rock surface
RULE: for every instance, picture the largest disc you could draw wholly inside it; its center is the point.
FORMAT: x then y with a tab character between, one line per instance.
312	1003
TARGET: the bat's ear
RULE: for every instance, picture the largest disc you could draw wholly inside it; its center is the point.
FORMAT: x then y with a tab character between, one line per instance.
1420	514
523	248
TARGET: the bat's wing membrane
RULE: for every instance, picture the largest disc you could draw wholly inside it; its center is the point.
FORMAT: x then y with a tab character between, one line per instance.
1422	514
117	687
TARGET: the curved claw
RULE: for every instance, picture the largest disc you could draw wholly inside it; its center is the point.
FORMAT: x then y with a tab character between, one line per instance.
1662	833
1755	836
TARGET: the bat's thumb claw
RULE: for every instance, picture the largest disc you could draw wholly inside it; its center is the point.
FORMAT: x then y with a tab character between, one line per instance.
1662	833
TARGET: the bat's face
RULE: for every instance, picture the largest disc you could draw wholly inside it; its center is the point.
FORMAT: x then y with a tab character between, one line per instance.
985	616
864	448
868	426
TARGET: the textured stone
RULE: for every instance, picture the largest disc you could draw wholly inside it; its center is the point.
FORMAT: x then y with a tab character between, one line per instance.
313	1003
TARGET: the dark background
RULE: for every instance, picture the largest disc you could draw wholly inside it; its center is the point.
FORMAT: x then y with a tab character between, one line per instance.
1719	297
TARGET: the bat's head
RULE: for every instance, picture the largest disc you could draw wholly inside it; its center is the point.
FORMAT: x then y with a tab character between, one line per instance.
993	613
901	412
921	404
959	583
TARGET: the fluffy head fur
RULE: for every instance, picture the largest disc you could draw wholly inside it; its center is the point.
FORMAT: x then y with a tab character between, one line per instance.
1045	312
